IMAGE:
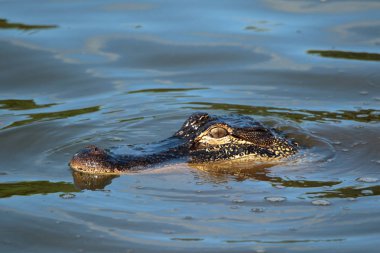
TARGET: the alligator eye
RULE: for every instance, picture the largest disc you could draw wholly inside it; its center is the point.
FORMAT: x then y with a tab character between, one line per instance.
218	132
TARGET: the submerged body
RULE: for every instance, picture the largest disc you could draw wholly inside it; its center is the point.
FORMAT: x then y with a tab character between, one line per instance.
202	138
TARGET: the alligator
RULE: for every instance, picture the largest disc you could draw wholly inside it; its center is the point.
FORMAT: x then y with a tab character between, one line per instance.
203	138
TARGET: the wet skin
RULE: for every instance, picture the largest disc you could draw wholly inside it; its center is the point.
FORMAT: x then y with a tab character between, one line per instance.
203	138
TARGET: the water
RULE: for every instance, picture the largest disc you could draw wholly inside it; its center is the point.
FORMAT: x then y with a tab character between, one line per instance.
75	73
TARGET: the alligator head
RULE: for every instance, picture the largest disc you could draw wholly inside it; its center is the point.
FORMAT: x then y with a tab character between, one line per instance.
202	138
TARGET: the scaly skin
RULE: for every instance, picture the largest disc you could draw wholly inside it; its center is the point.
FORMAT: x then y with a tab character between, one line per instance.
202	138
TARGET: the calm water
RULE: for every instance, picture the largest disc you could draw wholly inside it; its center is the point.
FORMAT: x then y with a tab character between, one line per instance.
115	73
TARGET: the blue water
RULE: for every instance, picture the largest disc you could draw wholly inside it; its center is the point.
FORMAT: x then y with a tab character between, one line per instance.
112	73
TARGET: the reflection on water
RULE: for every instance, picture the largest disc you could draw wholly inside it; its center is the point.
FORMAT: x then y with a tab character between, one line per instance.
100	80
87	181
34	187
262	26
219	172
186	239
347	192
165	56
163	90
256	29
4	24
363	56
53	115
243	170
18	104
285	241
361	115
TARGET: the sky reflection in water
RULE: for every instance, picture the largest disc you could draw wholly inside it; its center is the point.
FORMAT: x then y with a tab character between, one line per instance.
119	73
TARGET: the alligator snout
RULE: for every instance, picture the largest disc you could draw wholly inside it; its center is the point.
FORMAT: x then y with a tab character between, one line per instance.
91	159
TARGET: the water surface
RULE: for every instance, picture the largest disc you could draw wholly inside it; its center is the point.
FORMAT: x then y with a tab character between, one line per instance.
118	72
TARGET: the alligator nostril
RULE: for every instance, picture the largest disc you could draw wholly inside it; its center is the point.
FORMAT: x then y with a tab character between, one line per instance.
93	148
